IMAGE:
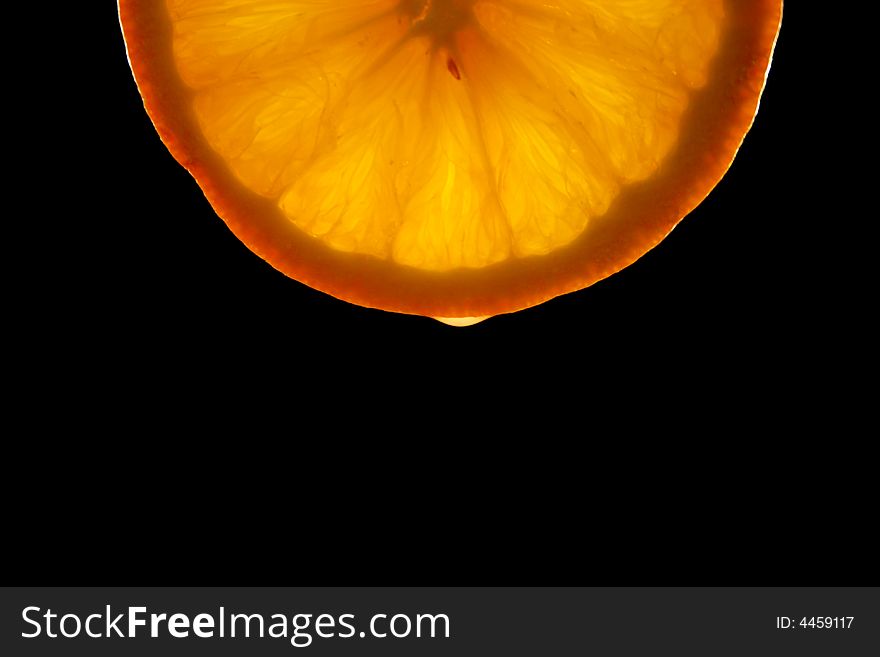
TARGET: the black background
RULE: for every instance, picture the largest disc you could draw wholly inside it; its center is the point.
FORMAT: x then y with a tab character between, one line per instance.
179	411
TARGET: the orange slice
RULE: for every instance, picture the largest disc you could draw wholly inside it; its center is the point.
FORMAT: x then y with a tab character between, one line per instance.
451	158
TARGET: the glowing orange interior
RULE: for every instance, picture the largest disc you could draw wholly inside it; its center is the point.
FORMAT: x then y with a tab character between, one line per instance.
442	134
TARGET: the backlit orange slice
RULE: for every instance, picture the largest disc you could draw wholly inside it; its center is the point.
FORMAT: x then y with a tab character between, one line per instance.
451	158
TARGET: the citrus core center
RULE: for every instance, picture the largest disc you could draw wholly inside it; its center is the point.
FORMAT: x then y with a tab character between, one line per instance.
441	19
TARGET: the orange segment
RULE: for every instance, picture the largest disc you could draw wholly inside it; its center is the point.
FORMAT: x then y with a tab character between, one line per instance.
456	158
